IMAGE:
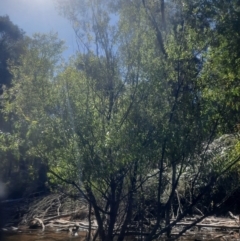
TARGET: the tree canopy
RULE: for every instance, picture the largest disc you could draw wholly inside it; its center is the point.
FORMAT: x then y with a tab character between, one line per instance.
10	46
130	121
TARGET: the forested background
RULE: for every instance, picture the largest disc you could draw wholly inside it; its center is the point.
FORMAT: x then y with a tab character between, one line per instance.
143	121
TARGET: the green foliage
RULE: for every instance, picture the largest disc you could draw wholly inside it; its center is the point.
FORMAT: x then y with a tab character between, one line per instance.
134	114
27	108
11	46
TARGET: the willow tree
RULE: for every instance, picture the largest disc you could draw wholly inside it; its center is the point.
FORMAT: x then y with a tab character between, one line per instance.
162	51
186	32
109	141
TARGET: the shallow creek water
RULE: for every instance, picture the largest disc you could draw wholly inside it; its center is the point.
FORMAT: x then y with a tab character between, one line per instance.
37	235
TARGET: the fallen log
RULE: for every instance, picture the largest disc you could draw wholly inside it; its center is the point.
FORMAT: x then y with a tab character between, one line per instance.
61	221
67	226
210	225
41	222
60	216
233	216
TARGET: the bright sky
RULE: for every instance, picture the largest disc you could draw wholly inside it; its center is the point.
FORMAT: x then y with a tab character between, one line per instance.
39	16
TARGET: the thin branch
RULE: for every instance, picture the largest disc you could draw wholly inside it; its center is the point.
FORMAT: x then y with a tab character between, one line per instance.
155	26
71	183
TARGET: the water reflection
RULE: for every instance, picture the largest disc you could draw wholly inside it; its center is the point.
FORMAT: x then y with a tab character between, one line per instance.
37	235
46	236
